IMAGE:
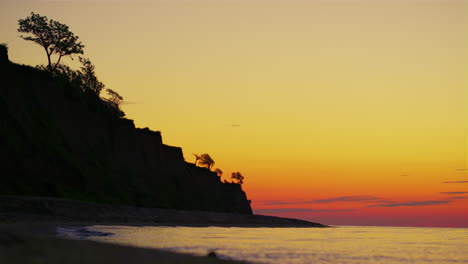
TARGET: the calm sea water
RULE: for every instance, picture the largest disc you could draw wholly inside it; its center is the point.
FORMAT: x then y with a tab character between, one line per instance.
346	244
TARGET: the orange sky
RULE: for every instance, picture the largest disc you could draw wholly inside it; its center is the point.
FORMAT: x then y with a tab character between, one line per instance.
361	103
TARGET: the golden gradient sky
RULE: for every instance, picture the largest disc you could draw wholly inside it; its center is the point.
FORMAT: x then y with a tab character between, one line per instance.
361	99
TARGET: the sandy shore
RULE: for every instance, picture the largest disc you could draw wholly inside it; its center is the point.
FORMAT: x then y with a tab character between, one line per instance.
24	244
28	230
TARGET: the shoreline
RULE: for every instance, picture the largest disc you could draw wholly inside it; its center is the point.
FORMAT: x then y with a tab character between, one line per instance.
27	209
23	243
28	231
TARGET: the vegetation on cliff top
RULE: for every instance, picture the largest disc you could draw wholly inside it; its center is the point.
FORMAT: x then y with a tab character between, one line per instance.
61	138
52	35
57	39
206	160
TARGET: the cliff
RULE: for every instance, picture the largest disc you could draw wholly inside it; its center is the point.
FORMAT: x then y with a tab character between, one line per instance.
55	143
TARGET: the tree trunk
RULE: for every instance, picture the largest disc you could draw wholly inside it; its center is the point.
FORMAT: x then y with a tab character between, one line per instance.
58	61
48	59
50	63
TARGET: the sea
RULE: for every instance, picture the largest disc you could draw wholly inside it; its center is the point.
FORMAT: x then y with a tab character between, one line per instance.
340	244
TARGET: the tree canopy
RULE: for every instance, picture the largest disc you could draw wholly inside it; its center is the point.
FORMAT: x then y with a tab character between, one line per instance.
204	160
115	101
88	85
219	172
88	77
52	35
238	177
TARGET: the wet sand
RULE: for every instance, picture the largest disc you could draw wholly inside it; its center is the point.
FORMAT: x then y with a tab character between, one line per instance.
28	231
24	244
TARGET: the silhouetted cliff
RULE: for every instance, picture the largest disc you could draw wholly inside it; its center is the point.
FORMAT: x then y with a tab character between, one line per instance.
55	143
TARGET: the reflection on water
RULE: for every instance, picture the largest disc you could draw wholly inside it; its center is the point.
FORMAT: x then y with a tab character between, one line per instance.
302	245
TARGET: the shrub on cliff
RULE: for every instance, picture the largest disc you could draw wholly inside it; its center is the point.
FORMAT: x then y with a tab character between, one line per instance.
219	172
238	177
114	101
87	75
84	85
204	160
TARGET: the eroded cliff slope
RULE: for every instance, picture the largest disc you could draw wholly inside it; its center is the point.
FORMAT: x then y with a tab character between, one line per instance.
54	143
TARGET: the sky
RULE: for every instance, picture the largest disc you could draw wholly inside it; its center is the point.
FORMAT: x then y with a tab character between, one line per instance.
343	112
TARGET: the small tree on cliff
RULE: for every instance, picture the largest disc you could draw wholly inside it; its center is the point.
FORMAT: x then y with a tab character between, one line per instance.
219	172
206	160
238	177
90	82
52	35
197	158
114	101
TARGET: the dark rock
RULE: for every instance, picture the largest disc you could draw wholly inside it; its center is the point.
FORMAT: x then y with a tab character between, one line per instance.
212	255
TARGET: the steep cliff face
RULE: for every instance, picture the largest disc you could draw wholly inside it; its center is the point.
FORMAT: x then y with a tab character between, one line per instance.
56	144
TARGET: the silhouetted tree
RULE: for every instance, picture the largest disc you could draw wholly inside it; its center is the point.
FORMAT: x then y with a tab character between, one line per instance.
219	172
52	35
65	71
115	101
197	158
206	160
238	177
114	97
89	81
85	78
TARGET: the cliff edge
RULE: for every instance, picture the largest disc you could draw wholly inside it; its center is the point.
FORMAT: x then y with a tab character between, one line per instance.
55	143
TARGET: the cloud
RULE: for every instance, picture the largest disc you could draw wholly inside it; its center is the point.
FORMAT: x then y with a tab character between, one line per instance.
462	169
420	203
454	192
299	210
358	198
458	197
129	103
364	198
281	203
456	182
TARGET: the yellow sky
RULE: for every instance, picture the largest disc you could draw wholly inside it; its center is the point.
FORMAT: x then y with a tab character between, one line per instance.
331	97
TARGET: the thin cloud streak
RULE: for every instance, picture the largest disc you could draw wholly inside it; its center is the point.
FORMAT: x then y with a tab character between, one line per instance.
455	182
458	197
129	103
420	203
357	198
364	198
453	192
299	210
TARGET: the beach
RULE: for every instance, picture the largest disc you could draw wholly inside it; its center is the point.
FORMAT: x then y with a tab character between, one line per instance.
23	243
28	230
